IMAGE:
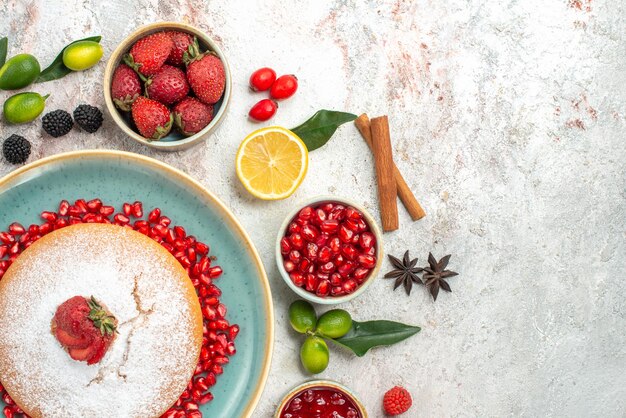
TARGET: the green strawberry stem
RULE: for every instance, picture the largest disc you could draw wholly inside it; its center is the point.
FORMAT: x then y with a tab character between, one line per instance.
101	319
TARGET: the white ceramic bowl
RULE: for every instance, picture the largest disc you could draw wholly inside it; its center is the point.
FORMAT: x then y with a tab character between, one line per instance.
320	383
329	300
174	141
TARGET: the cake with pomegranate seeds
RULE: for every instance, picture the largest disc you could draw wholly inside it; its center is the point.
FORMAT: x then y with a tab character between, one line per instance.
97	320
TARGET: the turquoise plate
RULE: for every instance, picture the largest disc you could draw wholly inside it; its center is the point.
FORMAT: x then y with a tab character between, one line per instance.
118	177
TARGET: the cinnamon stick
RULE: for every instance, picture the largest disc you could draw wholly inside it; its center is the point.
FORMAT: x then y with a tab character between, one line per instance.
383	156
404	192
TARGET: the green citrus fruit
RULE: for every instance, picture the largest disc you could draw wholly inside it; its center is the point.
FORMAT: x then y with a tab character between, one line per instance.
334	324
302	316
23	107
19	72
82	55
314	355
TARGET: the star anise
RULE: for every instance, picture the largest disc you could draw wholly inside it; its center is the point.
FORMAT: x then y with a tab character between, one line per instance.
435	274
405	272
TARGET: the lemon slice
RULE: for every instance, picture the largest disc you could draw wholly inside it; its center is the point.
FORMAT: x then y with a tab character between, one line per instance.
272	162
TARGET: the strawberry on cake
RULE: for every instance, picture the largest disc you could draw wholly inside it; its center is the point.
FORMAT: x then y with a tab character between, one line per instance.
97	320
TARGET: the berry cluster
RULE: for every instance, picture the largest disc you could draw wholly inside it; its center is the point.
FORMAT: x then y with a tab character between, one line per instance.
329	249
280	88
59	122
219	335
181	84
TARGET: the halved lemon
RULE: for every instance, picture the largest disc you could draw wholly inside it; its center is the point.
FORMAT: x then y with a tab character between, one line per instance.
272	162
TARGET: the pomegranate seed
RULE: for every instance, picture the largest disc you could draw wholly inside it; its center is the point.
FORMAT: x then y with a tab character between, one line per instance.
346	268
349	251
295	256
345	234
8	412
154	215
305	213
7	238
367	240
311	283
63	207
337	213
127	209
323	288
48	216
16	229
221	310
352	213
327	267
107	210
297	278
367	261
335	244
165	221
306	266
285	246
339	260
3	250
311	251
233	332
202	248
327	207
330	225
349	286
324	254
322	239
94	205
121	219
336	279
137	210
351	225
206	398
318	217
360	274
309	232
337	291
215	272
293	228
81	206
296	241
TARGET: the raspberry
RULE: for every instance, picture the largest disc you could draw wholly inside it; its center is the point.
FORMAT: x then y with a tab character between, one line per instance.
397	401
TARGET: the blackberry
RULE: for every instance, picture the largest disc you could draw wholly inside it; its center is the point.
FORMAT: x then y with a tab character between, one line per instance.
57	123
88	117
16	149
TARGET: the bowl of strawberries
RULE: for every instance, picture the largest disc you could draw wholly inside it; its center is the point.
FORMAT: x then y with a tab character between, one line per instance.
167	86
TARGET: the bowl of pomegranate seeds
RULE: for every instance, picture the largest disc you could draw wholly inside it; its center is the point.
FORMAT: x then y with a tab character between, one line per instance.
167	86
320	398
329	250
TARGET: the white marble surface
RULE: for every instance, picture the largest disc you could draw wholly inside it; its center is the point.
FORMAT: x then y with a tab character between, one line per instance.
508	120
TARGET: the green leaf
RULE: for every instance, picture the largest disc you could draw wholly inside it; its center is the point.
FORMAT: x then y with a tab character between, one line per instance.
316	131
4	43
57	69
366	335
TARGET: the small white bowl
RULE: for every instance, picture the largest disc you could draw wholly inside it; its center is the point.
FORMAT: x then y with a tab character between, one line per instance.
330	300
174	141
324	384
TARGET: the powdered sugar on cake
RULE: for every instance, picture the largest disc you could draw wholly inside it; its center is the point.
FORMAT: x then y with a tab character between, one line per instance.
152	357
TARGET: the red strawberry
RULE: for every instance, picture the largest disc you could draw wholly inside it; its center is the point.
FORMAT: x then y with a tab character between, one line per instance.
70	341
148	54
125	87
99	346
167	86
397	401
82	354
182	41
206	74
191	115
153	119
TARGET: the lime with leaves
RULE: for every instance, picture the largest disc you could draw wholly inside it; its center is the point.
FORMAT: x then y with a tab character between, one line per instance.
82	55
18	72
23	107
314	354
334	324
302	316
